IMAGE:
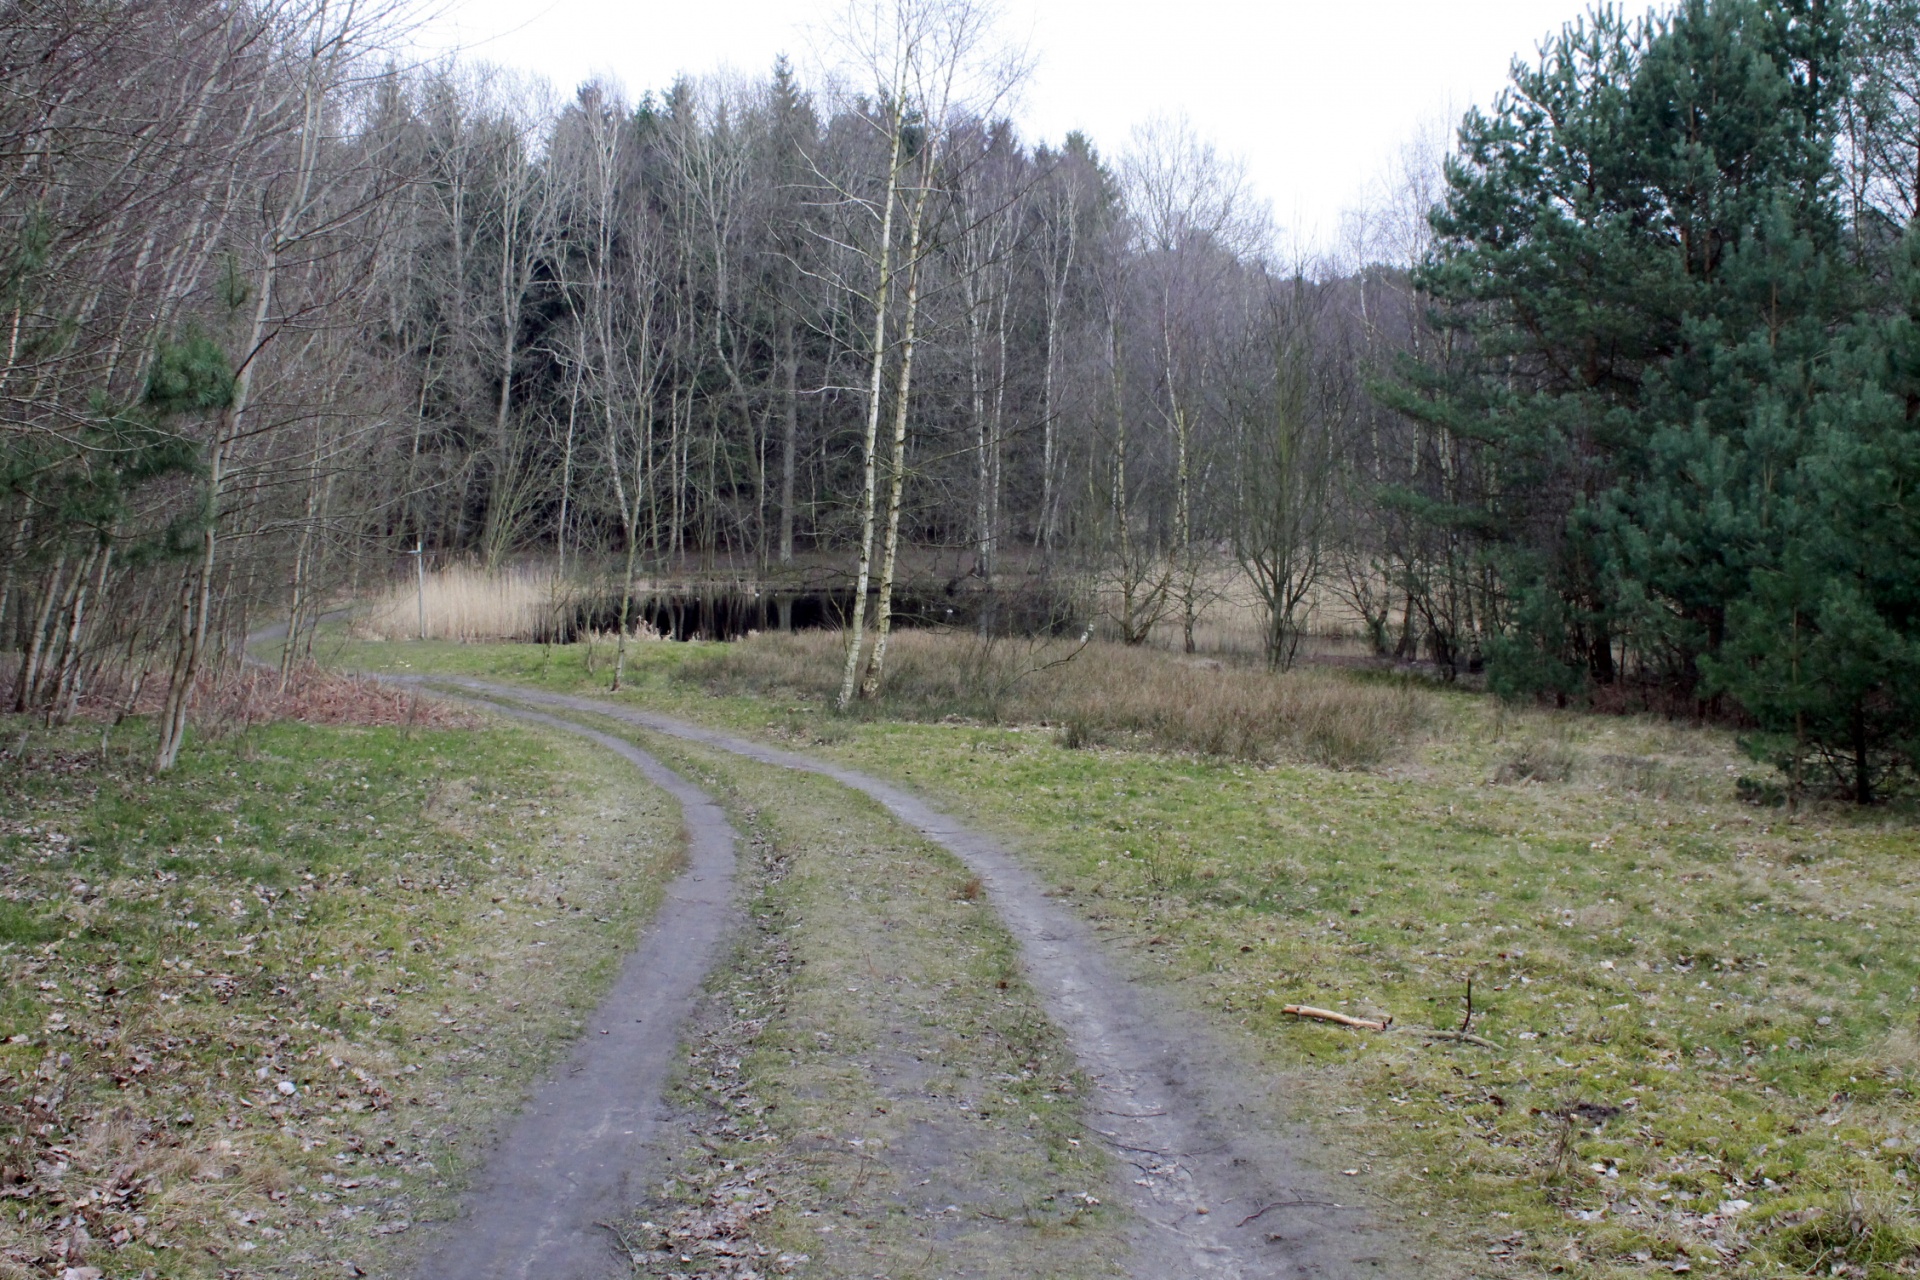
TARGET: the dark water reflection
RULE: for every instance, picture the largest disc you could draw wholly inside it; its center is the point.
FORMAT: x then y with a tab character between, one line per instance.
733	614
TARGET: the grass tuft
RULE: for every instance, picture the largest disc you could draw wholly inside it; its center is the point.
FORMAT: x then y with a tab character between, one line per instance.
1539	761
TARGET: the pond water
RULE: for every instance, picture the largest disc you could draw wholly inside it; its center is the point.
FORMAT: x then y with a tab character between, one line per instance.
733	614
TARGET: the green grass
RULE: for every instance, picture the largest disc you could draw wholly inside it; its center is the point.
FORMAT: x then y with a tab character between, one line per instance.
400	926
1738	989
1696	1002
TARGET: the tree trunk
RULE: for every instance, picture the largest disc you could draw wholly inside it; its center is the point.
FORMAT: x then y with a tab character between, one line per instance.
896	481
997	433
876	380
297	588
789	434
977	403
66	689
1183	524
566	479
626	607
196	598
1047	434
29	676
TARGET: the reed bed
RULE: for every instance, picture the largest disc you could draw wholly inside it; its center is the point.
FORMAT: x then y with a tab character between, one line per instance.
467	604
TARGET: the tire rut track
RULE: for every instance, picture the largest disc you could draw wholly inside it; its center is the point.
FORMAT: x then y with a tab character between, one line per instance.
1219	1188
574	1160
910	1106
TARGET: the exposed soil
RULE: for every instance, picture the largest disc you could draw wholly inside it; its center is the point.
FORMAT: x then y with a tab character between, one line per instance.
1221	1183
872	1088
572	1164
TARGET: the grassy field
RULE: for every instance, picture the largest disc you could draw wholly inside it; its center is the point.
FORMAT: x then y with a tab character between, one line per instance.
1704	1015
259	1016
1705	1012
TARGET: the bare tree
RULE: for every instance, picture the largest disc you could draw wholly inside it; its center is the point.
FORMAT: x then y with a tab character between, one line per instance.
519	228
1195	221
298	106
923	61
1066	212
1136	568
990	189
1288	423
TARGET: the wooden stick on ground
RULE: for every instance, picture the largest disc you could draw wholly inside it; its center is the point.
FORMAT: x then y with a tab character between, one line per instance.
1381	1024
1464	1037
1328	1015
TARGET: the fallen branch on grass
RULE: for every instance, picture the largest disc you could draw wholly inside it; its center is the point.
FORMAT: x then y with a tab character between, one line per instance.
1328	1015
1464	1037
1382	1024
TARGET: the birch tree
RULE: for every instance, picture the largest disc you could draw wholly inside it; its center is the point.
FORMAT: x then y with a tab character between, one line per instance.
922	61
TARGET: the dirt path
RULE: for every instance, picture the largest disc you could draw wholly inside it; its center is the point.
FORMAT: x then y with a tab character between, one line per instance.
871	1081
571	1161
1219	1187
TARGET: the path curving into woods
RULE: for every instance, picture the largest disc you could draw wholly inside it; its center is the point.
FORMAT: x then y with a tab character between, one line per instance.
575	1159
1218	1185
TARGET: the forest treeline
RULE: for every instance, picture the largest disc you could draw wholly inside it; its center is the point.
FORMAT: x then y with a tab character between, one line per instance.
1617	403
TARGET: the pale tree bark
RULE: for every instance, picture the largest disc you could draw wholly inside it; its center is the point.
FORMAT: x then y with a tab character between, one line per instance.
566	475
1286	463
28	678
196	595
1142	575
1192	225
321	71
1060	217
297	584
613	306
876	382
65	701
525	228
1183	558
897	471
789	430
633	490
989	206
934	60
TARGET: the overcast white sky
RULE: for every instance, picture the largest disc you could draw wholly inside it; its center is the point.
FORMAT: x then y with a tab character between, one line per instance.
1315	96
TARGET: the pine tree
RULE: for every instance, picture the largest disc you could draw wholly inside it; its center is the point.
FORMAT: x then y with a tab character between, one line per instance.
1636	264
1823	646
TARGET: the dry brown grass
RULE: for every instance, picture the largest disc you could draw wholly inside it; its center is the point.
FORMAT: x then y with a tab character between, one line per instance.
1099	693
229	698
469	604
1231	620
317	695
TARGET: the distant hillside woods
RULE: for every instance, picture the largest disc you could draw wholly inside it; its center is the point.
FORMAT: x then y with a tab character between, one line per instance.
1620	406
